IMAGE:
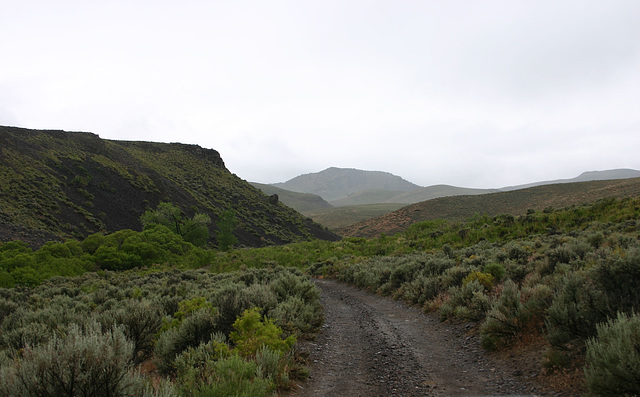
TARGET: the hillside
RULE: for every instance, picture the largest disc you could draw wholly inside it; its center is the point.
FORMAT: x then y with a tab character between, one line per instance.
621	173
339	217
57	185
301	202
337	183
514	202
435	191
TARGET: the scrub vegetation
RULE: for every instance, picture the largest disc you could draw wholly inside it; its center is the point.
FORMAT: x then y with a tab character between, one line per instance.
186	320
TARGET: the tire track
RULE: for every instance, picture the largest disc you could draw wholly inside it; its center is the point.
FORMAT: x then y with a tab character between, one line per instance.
373	346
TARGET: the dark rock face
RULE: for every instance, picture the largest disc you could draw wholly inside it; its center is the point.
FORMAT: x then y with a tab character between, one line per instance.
69	185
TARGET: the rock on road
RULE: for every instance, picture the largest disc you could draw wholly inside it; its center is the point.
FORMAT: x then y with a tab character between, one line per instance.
373	346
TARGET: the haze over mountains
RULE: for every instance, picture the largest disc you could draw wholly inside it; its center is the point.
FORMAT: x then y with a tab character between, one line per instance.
340	187
337	183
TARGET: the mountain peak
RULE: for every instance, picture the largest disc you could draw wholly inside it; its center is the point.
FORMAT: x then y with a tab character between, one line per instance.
335	183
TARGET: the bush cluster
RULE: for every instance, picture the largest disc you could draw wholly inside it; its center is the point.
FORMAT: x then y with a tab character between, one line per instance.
561	274
122	250
88	335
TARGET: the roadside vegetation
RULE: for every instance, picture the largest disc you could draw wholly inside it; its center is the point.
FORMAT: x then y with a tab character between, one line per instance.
183	319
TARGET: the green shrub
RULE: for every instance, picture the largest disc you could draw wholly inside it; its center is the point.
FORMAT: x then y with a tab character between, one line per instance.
497	270
251	333
485	279
613	357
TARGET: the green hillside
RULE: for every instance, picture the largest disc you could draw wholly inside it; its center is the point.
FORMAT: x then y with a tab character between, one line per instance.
437	191
515	202
369	196
340	217
301	202
56	185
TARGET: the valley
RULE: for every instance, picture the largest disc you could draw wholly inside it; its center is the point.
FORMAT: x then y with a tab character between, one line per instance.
153	263
357	196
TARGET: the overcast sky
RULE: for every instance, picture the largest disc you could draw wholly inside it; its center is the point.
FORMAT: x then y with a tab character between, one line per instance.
466	93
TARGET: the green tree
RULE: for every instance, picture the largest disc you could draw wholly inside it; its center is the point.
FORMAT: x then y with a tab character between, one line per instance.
226	226
193	230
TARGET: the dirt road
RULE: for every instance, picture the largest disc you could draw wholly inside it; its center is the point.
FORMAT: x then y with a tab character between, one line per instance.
374	346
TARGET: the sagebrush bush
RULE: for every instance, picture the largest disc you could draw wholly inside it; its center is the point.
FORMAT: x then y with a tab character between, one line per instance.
453	277
613	357
578	306
140	321
230	302
232	376
268	362
195	329
80	363
190	363
505	319
296	317
419	290
468	302
619	278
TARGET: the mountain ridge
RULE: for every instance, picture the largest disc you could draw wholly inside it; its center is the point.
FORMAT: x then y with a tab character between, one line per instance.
369	191
335	183
513	202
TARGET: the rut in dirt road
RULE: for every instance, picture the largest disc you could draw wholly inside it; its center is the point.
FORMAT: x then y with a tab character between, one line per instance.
374	346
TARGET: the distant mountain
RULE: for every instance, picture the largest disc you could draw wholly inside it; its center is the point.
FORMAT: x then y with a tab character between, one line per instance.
337	183
301	202
58	185
361	191
621	173
515	202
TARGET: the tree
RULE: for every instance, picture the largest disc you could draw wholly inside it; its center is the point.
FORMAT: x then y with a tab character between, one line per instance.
226	225
193	230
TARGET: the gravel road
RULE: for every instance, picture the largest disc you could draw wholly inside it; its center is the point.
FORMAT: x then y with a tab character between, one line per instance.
374	346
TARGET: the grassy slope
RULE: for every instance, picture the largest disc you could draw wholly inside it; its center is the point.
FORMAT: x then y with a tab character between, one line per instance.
376	196
301	202
339	217
514	202
437	191
56	184
369	196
